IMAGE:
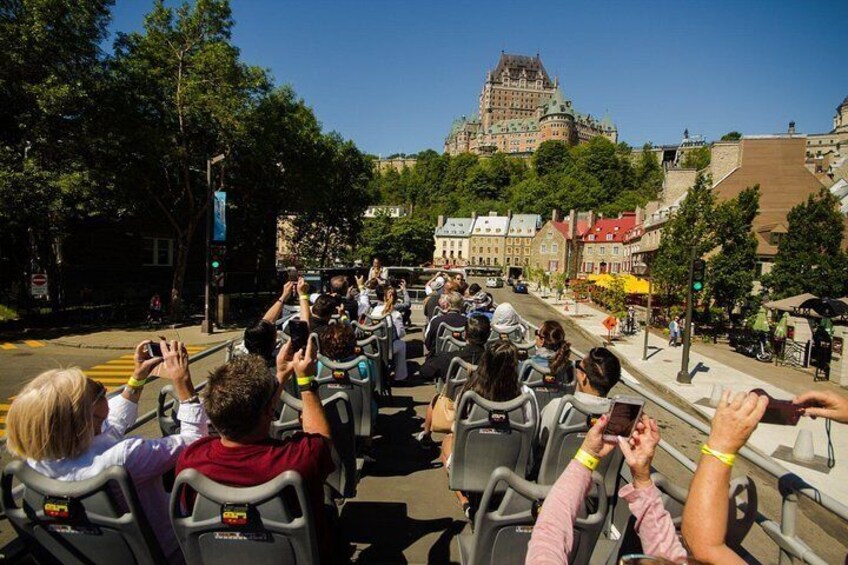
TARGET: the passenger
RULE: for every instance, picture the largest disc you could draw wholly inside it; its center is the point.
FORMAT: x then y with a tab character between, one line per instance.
553	533
451	316
432	299
479	301
240	397
552	350
706	510
260	338
506	322
338	343
595	375
340	289
477	331
435	283
388	298
404	305
496	379
376	272
322	312
66	429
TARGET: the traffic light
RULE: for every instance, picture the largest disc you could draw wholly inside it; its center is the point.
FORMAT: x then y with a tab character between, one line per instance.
699	268
218	252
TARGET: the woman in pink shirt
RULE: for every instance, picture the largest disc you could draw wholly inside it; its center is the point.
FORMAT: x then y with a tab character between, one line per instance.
553	534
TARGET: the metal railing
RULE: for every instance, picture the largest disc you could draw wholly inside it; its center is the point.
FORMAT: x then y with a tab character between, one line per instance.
783	532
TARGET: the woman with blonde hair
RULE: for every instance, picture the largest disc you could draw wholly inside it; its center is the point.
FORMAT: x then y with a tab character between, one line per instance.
388	297
66	429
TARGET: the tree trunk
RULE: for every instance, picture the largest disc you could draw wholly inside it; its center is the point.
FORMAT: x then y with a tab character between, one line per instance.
180	267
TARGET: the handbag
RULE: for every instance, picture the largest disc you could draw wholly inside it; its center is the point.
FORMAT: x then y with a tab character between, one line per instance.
444	414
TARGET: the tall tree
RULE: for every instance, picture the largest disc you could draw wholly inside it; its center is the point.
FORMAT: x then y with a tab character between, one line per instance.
185	98
689	233
731	136
698	158
551	156
810	256
732	268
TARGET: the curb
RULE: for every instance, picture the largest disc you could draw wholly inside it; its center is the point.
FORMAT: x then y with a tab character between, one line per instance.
76	345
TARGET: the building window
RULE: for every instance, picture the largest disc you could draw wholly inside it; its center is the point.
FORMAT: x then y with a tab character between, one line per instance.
609	237
554	248
158	252
615	250
602	250
544	249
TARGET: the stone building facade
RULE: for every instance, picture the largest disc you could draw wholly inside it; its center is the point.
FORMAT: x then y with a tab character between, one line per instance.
519	108
556	247
452	241
603	245
489	240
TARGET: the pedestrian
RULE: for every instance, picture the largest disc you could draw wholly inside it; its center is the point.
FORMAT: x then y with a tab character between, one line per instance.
673	331
154	315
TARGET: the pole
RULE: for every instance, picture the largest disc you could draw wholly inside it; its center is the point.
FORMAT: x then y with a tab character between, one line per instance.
683	376
648	319
206	327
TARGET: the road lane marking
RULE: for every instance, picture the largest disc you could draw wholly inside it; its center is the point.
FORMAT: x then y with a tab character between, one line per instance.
34	343
8	346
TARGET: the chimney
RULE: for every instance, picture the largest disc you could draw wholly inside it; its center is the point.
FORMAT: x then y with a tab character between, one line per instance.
441	221
473	216
492	214
572	224
591	218
792	127
509	214
554	216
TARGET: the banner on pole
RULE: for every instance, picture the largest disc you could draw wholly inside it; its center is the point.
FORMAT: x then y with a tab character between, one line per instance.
219	232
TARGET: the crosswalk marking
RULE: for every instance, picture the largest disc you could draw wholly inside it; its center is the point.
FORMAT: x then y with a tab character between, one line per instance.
112	373
8	346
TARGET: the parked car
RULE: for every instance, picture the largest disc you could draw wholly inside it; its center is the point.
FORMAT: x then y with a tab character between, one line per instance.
494	282
520	287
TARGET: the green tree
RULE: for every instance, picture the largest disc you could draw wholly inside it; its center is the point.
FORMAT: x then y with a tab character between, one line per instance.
689	233
648	174
698	158
173	119
551	156
397	241
810	256
732	268
731	136
51	75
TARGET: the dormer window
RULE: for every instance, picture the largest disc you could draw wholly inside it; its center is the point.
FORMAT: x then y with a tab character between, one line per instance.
609	237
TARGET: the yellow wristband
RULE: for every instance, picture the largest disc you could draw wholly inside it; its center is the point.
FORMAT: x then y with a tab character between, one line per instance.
727	458
303	382
304	297
587	459
134	383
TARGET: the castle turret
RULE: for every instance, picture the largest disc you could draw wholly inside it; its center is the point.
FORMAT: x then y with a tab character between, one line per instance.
556	120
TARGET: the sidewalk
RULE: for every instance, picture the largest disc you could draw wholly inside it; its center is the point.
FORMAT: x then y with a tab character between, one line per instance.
709	374
129	338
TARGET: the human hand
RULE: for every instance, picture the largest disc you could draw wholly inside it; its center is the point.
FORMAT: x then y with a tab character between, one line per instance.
304	361
735	420
594	443
360	281
284	363
826	404
287	291
174	360
639	450
340	310
402	284
302	286
143	362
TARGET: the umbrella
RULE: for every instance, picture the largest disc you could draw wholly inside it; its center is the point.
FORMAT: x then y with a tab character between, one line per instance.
825	307
782	326
761	321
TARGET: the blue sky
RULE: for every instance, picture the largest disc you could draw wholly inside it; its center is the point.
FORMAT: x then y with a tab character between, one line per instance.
392	74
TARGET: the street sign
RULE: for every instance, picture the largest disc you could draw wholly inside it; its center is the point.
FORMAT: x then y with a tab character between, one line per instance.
38	285
610	323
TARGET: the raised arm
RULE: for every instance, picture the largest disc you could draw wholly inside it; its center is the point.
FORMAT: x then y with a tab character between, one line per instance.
314	418
705	514
824	404
303	299
273	313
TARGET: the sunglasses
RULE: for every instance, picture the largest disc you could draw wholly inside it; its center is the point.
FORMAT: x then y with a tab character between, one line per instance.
101	390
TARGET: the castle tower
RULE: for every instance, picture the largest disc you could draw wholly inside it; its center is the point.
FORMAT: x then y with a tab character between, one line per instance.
513	89
840	120
556	119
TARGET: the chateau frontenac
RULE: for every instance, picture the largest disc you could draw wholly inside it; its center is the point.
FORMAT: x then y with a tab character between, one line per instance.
519	108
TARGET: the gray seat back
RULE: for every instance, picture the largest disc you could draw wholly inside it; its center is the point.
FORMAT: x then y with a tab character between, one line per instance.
444	330
457	375
545	384
347	377
383	331
339	413
566	438
448	344
169	424
370	347
491	435
218	524
98	520
501	534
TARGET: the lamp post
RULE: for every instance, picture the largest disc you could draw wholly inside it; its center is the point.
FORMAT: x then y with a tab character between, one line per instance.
641	269
206	327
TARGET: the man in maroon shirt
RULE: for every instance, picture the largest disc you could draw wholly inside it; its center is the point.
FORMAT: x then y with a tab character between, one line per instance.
239	399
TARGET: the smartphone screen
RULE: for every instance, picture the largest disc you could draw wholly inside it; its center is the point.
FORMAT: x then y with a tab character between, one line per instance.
293	275
299	332
154	349
779	412
622	418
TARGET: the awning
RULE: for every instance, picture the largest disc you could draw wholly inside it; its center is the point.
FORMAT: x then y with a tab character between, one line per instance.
789	304
632	285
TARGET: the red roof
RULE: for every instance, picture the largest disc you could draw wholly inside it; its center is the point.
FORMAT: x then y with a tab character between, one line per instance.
615	226
562	227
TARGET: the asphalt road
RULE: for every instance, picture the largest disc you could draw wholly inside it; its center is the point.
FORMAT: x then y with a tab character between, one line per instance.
825	533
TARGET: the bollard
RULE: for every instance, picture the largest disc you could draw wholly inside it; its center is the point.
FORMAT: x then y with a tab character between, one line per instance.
803	449
715	397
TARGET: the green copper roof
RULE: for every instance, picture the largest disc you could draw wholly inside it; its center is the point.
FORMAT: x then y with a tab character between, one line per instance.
558	104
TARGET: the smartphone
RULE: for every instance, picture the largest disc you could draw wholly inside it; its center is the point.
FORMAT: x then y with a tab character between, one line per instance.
154	349
779	412
299	332
622	417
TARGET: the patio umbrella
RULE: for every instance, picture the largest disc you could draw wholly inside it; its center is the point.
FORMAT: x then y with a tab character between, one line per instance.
825	307
782	326
761	321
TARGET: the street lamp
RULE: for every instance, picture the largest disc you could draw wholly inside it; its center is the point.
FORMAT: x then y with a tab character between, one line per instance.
641	269
206	327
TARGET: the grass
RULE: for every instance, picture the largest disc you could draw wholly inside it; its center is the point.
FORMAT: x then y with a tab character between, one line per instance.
7	313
